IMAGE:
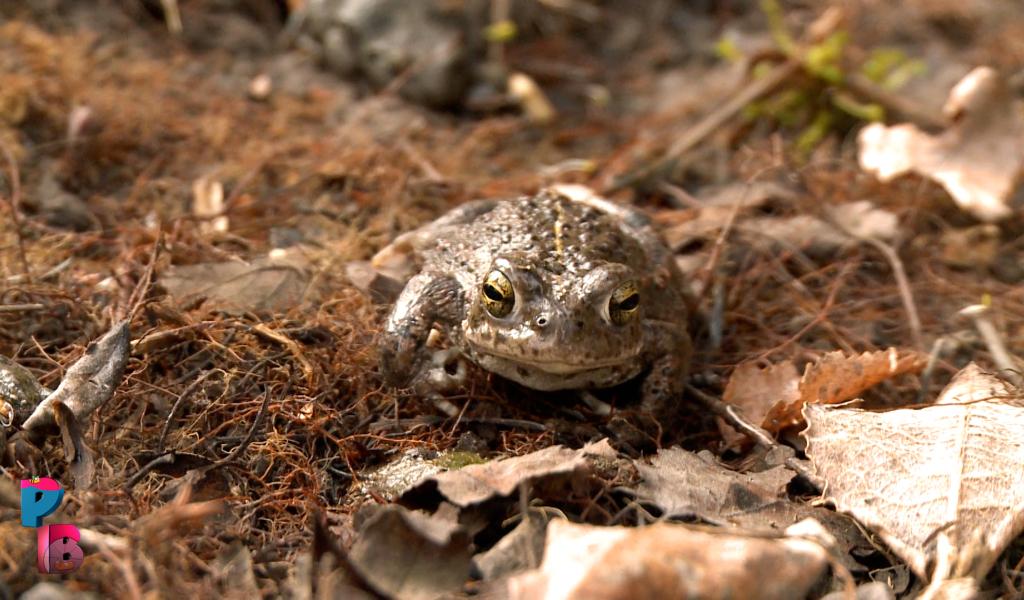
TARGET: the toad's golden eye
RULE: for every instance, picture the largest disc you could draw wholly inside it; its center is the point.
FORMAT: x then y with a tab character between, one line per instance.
623	305
497	294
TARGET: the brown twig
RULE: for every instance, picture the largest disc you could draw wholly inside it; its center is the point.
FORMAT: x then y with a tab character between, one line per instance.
177	403
829	302
163	459
138	296
903	284
252	430
21	307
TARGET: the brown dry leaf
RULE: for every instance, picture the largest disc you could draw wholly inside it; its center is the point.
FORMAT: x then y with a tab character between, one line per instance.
940	484
409	555
474	484
682	484
754	389
843	226
275	282
978	159
837	378
671	561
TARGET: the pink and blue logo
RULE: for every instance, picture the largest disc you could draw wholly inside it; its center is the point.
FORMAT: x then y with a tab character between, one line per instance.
57	549
40	496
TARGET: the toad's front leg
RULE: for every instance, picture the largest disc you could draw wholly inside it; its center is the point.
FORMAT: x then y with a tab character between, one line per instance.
427	300
669	350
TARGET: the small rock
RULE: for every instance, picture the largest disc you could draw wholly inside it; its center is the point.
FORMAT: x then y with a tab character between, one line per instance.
387	41
381	288
260	87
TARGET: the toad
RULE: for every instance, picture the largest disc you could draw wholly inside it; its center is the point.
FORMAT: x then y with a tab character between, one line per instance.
551	291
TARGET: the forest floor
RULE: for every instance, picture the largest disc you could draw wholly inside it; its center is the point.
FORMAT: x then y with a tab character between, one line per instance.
227	166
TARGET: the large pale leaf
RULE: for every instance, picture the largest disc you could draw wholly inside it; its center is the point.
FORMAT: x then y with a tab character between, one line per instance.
978	159
941	484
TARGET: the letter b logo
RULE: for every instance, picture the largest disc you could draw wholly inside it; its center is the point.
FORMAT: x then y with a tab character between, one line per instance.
58	550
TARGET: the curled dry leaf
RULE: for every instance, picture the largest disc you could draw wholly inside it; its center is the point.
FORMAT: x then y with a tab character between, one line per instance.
836	378
76	453
978	159
88	383
478	483
381	288
862	219
409	555
234	567
940	484
669	561
842	226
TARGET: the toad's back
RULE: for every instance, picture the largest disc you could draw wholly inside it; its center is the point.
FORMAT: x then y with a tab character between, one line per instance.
549	232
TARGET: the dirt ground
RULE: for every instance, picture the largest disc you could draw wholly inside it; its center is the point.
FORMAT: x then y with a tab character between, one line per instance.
115	130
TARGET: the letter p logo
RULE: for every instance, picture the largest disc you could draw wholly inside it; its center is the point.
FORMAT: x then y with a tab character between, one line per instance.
40	496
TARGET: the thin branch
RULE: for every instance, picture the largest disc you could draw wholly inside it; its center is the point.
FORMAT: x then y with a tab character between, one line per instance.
707	126
252	430
903	284
757	434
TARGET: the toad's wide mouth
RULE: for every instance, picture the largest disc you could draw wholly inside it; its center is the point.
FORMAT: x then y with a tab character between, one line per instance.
558	366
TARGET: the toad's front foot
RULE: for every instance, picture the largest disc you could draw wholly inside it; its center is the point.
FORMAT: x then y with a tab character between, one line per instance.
446	373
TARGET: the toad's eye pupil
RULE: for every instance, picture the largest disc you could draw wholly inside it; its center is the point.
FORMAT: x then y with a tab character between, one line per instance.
493	293
630	302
